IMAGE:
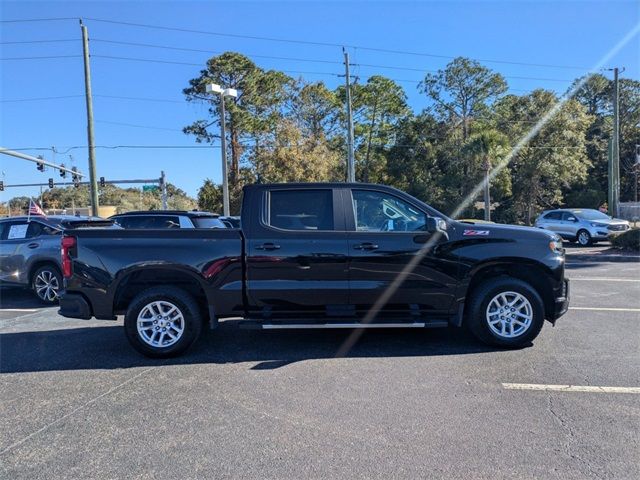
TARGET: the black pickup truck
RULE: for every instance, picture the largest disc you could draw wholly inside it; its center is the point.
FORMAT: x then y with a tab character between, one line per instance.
318	256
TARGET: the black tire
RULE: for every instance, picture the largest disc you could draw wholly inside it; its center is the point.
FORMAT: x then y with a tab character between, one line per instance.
477	318
186	307
46	283
586	235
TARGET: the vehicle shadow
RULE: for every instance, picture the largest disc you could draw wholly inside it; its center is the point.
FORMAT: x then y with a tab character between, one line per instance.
105	347
14	297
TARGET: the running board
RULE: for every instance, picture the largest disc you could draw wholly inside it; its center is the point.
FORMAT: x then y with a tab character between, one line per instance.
283	326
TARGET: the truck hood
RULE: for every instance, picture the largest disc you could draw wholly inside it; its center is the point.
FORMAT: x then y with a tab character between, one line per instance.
504	231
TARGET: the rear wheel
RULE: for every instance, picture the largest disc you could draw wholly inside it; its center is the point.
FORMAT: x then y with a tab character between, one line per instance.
46	282
584	238
505	312
162	322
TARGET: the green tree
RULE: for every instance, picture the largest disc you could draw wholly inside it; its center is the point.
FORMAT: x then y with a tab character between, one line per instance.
414	164
251	117
553	160
210	197
462	91
378	106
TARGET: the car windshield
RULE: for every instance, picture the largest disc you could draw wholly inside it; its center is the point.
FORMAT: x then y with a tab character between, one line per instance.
591	215
208	222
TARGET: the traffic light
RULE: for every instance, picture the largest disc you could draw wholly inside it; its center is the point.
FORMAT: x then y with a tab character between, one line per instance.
102	182
74	177
1	186
40	166
63	173
51	183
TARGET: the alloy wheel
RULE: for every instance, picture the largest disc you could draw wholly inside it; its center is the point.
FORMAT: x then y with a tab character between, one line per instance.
509	314
160	324
46	286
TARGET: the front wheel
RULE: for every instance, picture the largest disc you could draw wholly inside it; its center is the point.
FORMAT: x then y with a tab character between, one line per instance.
505	312
162	322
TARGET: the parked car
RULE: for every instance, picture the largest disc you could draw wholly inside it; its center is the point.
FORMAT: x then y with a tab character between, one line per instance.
583	225
319	256
231	221
30	251
168	219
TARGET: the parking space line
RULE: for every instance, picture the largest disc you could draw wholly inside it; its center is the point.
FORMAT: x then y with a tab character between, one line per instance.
569	388
606	309
18	309
603	279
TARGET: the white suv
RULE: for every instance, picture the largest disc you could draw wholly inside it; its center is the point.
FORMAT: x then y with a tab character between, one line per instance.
583	225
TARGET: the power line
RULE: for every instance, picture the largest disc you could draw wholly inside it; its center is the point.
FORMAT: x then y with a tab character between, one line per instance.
143	99
390	67
53	19
200	50
138	126
39	98
38	41
40	58
324	44
310	60
171	62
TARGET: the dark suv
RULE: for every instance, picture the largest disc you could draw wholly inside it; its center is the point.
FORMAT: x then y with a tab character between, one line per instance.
168	219
30	251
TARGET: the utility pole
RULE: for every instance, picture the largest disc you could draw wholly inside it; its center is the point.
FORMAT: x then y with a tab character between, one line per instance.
93	184
487	197
614	152
223	152
351	169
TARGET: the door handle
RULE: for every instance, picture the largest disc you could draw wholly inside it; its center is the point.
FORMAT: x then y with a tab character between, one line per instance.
366	246
33	245
268	246
421	239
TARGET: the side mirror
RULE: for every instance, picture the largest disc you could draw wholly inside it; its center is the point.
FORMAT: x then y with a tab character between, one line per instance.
436	224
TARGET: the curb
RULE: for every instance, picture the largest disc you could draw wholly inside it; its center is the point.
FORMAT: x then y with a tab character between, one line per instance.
601	258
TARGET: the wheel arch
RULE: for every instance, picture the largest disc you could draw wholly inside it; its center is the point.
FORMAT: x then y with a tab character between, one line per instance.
134	281
36	265
535	274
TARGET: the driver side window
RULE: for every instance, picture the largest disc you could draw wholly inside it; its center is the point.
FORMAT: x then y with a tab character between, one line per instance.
381	212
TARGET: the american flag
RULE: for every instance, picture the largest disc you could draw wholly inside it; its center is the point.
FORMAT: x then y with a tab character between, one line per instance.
34	208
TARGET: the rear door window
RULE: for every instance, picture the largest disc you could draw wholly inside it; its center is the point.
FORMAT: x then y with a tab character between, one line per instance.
151	221
208	222
553	216
301	209
16	231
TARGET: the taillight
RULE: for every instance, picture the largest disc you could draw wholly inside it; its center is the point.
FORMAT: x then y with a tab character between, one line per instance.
67	244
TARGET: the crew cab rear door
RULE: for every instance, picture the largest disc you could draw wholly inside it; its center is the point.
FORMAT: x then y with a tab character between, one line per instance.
296	253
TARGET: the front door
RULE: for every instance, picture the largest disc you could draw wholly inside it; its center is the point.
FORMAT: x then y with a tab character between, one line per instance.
388	232
297	255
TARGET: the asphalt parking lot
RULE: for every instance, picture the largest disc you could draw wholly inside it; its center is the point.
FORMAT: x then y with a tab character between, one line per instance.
78	402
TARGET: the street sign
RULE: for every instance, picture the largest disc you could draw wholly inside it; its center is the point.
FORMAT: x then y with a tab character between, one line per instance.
150	188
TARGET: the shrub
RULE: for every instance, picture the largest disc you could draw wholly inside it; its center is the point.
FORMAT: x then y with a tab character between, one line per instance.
629	240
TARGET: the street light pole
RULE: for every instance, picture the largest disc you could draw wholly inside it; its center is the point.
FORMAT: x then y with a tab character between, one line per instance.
223	92
223	153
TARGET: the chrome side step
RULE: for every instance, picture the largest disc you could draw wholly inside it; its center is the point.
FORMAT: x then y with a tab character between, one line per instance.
282	326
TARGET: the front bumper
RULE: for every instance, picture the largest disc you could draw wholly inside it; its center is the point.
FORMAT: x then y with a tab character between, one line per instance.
561	301
74	305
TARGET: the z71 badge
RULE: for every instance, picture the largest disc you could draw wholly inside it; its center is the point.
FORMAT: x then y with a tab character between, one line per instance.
475	233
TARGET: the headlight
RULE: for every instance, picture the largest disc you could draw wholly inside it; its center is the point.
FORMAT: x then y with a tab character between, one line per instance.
601	225
555	246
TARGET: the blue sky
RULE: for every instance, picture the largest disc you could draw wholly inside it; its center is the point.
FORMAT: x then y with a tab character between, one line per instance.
571	33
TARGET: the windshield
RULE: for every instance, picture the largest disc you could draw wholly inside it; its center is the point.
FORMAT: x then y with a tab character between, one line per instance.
591	215
208	222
